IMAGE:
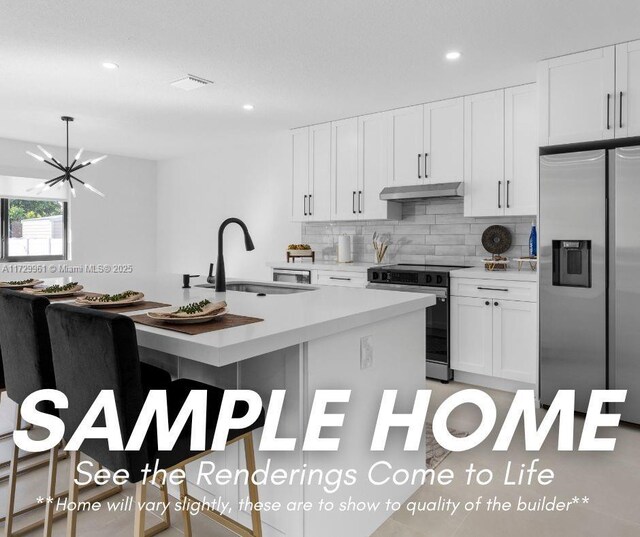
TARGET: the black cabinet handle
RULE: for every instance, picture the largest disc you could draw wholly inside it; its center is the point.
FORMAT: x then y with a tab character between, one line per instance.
419	174
310	205
508	183
305	205
620	109
495	304
426	175
499	194
341	279
608	107
353	202
492	289
360	204
487	303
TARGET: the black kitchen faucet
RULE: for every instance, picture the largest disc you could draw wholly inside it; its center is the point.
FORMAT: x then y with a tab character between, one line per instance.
221	284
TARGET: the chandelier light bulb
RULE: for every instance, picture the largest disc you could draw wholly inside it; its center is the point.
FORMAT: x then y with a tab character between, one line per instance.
94	190
79	154
45	152
37	157
39	186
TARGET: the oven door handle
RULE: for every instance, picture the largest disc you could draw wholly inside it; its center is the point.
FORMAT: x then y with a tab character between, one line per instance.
440	292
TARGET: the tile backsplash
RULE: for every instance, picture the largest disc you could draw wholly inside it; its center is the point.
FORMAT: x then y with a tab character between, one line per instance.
433	231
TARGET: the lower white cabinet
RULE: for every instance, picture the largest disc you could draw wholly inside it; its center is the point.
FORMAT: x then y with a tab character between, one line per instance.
494	336
341	278
471	335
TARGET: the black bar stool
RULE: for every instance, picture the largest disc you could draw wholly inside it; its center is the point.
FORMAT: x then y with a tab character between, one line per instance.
99	351
28	367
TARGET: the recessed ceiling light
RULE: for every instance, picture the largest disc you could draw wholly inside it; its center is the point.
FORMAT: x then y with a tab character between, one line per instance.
453	55
110	65
248	107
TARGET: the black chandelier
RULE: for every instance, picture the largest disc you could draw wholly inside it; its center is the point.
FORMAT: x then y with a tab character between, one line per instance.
67	171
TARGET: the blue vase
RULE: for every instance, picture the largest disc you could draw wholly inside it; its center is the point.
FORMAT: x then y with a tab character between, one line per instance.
533	241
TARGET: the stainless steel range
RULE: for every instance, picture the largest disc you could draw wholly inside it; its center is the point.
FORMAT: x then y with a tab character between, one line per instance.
424	279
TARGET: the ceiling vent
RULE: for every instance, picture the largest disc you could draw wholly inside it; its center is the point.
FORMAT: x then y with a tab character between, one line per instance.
190	82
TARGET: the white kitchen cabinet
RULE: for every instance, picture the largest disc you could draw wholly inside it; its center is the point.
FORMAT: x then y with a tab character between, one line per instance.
471	335
374	168
344	169
484	154
320	172
407	138
493	335
300	174
311	173
443	160
341	278
520	150
577	97
515	340
627	111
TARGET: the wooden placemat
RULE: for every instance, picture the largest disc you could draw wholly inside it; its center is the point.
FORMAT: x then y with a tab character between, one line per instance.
228	320
145	305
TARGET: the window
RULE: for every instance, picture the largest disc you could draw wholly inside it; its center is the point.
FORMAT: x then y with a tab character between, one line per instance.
33	230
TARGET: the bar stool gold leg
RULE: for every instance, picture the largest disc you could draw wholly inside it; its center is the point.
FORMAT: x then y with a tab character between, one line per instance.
250	458
141	496
13	476
184	502
51	491
72	514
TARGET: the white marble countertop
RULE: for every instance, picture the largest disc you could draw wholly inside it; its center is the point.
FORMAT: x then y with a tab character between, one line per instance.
511	274
288	319
322	265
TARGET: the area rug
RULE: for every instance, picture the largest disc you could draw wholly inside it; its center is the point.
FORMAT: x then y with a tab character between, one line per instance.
435	452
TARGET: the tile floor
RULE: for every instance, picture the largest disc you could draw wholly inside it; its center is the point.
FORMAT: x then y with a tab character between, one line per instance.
610	480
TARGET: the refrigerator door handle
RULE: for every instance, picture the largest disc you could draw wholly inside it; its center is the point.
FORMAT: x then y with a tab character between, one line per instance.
608	110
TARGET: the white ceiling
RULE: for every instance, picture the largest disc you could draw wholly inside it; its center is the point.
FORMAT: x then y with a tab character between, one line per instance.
298	61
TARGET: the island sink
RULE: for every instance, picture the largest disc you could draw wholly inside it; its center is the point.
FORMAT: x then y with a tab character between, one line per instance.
262	288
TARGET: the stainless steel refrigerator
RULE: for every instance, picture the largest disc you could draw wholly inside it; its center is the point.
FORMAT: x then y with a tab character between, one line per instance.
589	249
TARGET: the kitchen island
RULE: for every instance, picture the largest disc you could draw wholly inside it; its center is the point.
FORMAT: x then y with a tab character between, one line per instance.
319	339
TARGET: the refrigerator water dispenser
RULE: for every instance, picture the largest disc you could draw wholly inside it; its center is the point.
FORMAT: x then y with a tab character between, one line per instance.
571	263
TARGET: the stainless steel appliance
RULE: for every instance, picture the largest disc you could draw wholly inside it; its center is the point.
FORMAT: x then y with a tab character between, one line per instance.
291	275
424	279
589	274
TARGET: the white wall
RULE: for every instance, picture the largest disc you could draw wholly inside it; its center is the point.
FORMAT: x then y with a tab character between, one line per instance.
243	176
120	228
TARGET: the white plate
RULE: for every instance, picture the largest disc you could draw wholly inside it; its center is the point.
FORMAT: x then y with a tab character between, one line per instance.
5	285
183	320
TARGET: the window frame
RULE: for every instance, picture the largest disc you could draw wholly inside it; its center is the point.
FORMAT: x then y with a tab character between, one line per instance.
4	236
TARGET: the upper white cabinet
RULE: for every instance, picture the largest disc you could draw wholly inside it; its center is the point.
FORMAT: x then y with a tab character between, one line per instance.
407	145
521	150
428	143
311	173
320	172
588	96
501	152
344	169
360	168
300	173
444	141
484	154
374	166
627	113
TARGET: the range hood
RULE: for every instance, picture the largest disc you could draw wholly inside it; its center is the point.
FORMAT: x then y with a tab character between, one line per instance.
418	192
